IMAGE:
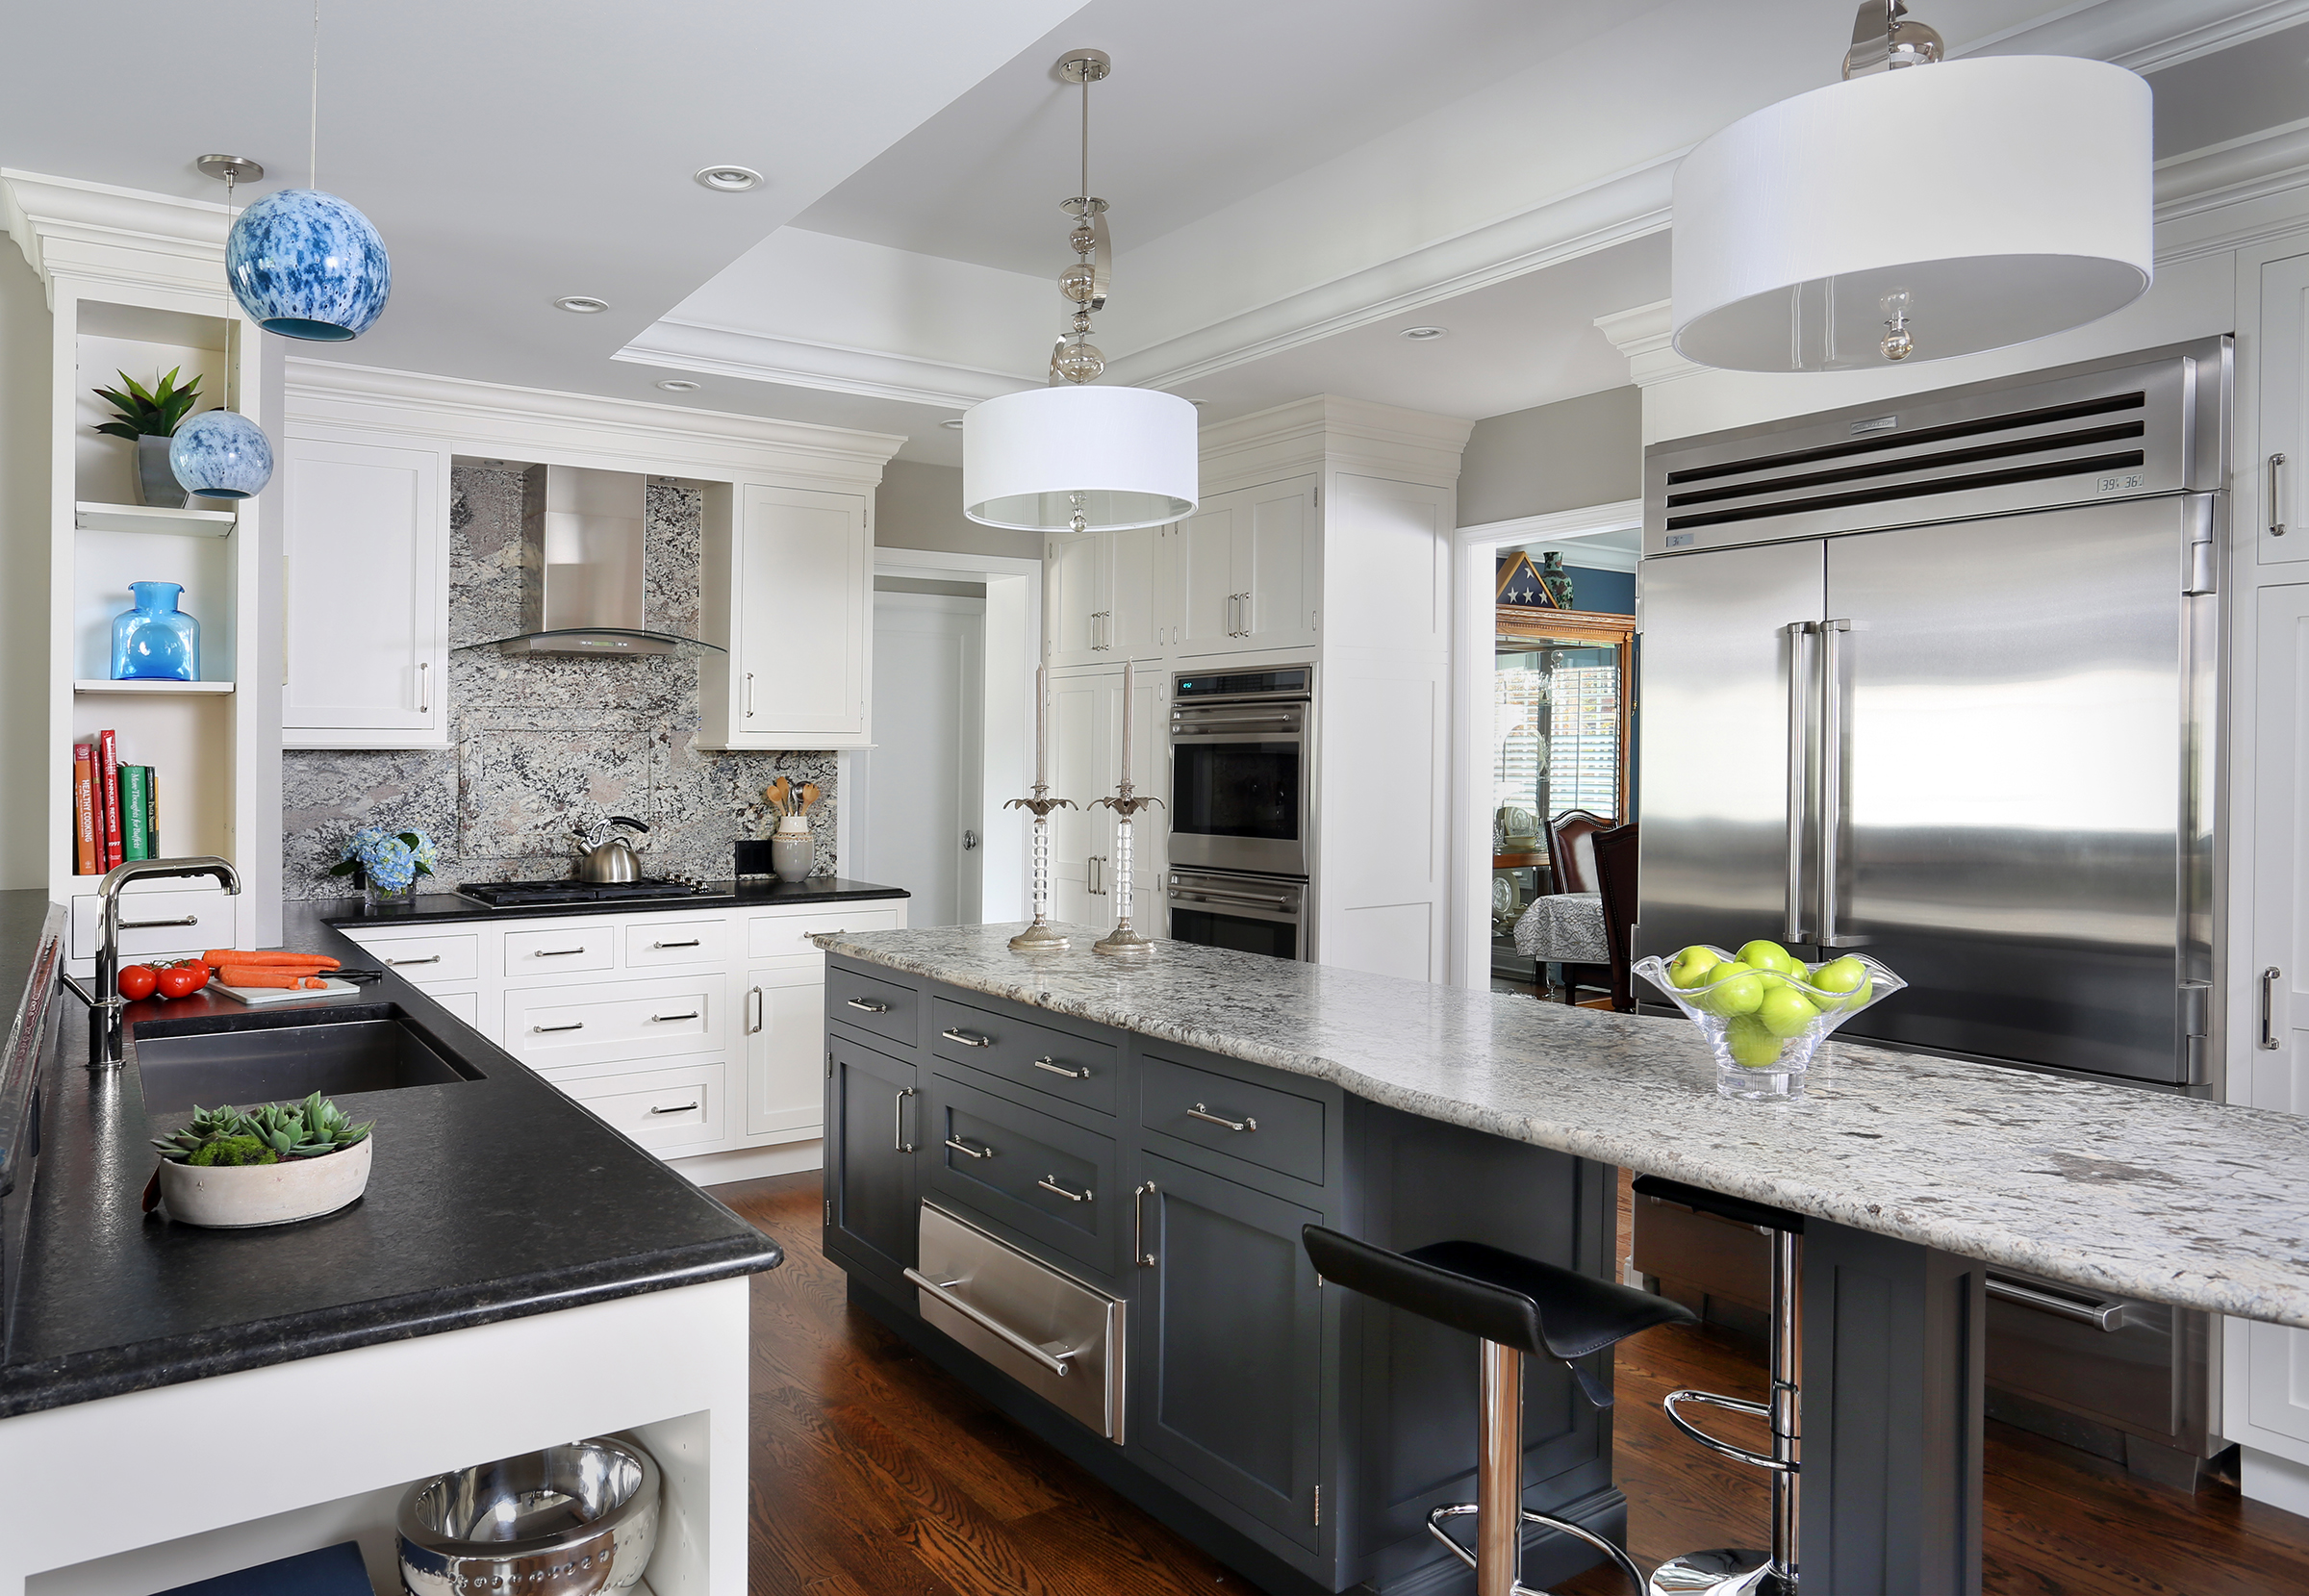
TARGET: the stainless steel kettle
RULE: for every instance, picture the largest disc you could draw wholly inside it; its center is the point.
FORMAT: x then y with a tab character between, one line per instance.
613	859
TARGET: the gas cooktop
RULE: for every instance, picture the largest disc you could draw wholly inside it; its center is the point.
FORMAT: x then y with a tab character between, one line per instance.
507	895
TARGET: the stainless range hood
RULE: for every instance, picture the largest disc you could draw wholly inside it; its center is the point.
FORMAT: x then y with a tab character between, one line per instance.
582	573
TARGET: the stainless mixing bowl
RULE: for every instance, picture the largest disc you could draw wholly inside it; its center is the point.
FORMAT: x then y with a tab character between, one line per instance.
568	1521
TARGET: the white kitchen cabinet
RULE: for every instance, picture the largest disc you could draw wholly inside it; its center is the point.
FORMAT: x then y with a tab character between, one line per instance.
1105	596
1086	731
788	590
1246	570
365	595
2284	417
785	1049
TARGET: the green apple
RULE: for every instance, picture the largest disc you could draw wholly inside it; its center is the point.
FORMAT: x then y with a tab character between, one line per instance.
1848	978
1770	956
1689	968
1752	1045
1785	1011
1732	989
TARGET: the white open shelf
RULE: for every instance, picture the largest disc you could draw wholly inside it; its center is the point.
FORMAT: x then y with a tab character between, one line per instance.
163	688
138	517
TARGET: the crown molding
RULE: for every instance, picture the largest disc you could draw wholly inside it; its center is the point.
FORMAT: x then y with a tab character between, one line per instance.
539	424
799	363
2141	36
1331	431
123	237
1646	336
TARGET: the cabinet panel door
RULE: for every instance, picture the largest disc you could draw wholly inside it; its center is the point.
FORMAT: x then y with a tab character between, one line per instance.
802	675
1078	583
1135	611
367	595
1226	1372
1276	566
785	1034
1077	727
873	1120
2284	417
1203	580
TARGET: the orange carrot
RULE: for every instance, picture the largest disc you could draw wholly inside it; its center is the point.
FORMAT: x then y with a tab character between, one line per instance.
242	958
295	980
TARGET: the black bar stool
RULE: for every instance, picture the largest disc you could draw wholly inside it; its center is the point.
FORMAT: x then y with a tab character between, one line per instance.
1516	1307
1737	1571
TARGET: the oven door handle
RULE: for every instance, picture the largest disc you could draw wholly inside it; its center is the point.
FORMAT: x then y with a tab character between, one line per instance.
1188	719
1202	896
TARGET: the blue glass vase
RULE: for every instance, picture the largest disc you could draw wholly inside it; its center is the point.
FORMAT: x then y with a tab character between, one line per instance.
154	642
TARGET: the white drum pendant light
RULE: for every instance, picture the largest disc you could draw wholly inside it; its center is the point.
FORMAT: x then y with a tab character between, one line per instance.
1919	210
1071	456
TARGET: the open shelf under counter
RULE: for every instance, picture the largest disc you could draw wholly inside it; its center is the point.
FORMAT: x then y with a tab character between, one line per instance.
163	688
138	517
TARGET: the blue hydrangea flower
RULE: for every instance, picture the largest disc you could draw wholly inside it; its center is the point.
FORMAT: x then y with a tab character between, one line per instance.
387	860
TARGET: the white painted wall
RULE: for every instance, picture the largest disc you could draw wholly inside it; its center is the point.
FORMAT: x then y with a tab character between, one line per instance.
919	506
24	352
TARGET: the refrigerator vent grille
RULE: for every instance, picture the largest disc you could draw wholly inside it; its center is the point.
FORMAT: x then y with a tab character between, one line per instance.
1987	451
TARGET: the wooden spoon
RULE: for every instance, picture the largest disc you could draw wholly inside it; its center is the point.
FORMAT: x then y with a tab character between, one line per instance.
776	793
809	796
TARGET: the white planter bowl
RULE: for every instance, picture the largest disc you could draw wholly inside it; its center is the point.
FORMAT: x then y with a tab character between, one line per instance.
227	1198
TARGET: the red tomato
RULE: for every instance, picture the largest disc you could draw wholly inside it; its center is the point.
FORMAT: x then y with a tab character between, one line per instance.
200	972
138	980
177	982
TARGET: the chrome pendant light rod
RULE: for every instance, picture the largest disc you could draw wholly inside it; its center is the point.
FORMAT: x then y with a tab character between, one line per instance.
313	115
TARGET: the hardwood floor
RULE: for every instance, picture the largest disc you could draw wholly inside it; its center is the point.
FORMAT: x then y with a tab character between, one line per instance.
875	1475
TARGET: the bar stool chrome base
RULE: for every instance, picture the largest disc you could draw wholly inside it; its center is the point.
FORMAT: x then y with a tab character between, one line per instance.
1470	1509
1725	1572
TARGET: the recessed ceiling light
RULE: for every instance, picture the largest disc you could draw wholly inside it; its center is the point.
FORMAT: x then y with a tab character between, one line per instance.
678	384
1421	335
953	421
730	180
581	304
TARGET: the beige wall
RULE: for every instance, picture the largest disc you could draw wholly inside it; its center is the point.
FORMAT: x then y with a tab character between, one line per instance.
1563	456
24	334
919	506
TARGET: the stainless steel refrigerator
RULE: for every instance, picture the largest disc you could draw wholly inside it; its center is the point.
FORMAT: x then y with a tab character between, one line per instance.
1936	678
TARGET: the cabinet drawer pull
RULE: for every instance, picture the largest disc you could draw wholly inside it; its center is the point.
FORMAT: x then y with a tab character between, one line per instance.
963	1147
679	1109
555	952
839	931
2268	1005
692	943
432	959
898	1121
1054	1362
1048	1185
749	694
1139	1255
2105	1315
966	1038
669	1019
1046	1062
157	924
1199	1112
575	1024
868	1006
753	1011
2277	503
425	687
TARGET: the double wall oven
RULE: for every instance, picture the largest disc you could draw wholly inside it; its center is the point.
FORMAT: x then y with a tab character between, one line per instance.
1242	809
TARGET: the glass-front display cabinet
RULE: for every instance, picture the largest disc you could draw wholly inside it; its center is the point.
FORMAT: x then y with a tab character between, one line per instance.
1561	728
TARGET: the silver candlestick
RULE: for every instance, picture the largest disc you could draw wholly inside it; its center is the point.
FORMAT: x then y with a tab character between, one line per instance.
1123	940
1039	937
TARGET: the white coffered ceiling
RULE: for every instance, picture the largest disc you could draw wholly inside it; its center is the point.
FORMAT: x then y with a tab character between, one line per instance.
1293	181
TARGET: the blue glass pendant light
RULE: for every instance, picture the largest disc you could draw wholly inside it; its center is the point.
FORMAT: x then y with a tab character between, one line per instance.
221	454
305	264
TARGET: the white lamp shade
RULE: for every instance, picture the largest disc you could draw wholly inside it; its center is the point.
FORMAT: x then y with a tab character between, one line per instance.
1131	453
2009	196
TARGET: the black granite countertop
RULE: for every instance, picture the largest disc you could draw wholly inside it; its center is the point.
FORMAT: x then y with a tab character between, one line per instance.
749	894
489	1199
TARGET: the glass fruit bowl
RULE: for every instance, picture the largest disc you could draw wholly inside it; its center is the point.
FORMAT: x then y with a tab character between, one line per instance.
1764	1021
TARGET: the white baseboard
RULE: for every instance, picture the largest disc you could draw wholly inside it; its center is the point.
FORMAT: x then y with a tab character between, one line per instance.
750	1163
2279	1481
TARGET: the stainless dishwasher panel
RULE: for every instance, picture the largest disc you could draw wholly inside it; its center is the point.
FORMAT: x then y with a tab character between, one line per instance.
1060	1339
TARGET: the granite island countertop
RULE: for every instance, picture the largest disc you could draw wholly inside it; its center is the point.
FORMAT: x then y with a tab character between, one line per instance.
489	1199
2118	1189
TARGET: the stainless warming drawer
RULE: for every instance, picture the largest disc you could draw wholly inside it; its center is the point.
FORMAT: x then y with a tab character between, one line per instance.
1057	1337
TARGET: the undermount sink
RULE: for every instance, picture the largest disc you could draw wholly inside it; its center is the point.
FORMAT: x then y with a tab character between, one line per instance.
247	1059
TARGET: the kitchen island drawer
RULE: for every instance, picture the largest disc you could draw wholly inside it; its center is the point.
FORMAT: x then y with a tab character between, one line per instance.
602	1022
885	1009
1029	1172
560	953
787	936
653	944
429	960
1275	1129
158	915
1073	1069
659	1108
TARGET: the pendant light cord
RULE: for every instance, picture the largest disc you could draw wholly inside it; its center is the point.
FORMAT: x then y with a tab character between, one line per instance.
313	117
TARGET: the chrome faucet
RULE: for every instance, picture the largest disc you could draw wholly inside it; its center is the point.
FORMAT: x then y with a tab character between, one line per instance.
105	1002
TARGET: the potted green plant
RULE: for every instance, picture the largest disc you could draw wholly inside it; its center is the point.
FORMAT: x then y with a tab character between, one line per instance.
149	418
230	1169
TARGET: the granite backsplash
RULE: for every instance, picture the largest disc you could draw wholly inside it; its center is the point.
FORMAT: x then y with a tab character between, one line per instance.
545	743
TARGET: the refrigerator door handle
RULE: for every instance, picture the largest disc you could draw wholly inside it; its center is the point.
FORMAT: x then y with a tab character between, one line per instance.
1799	747
1834	824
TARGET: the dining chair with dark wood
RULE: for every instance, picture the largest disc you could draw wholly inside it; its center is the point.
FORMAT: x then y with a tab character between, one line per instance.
1615	853
1571	861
